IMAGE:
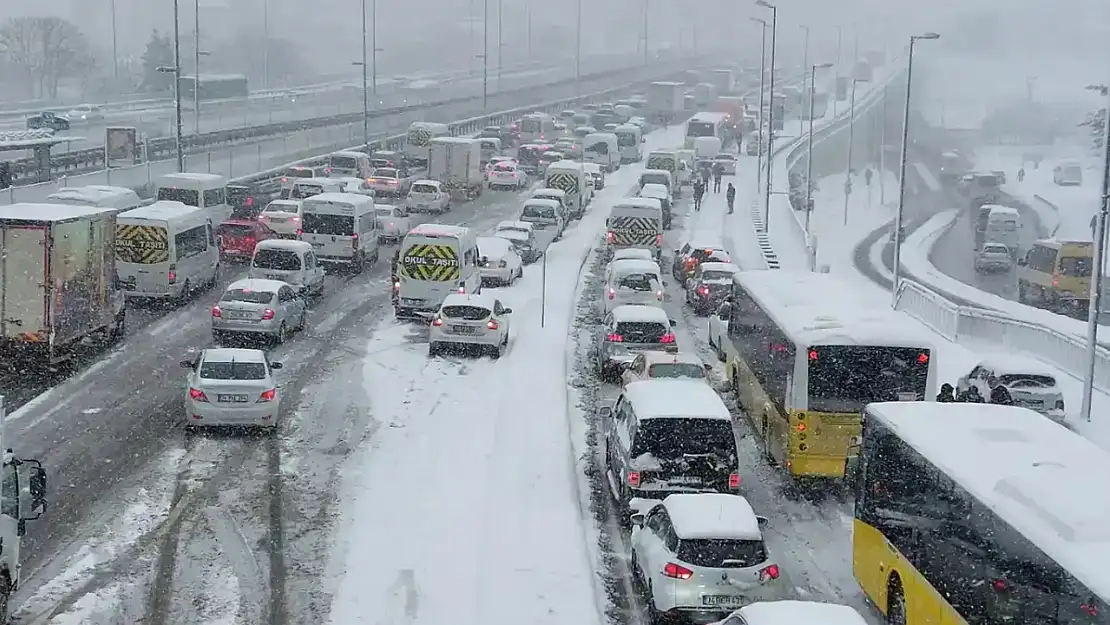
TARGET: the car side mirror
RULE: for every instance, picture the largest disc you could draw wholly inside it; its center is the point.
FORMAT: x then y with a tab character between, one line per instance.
673	323
1021	262
637	519
507	311
605	413
187	364
762	520
708	367
275	365
677	253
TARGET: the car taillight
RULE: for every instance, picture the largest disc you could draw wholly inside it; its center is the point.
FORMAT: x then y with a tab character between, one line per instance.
734	480
354	241
771	571
299	232
658	240
268	314
249	241
284	180
659	295
268	395
677	571
614	338
171	277
612	294
610	236
667	339
250	202
703	290
492	325
196	394
437	322
690	262
503	264
633	478
216	312
1055	281
462	289
396	286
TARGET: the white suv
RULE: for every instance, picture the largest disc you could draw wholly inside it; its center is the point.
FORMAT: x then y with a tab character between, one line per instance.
701	556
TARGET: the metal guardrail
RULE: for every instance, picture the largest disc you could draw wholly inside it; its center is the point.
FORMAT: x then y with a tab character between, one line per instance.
257	158
81	161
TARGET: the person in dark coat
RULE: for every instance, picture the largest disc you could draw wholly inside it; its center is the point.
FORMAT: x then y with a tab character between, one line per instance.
973	395
718	172
947	393
730	197
999	393
699	191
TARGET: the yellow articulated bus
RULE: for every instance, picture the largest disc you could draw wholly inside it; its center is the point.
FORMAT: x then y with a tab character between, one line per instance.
805	356
980	514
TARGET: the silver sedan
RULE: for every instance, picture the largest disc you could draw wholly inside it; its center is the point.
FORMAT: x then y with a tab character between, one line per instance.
256	307
233	387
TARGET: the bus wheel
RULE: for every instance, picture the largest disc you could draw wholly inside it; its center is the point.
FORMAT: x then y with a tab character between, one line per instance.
895	602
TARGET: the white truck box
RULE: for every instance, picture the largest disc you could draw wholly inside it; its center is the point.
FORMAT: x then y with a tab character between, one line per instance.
456	162
665	99
705	94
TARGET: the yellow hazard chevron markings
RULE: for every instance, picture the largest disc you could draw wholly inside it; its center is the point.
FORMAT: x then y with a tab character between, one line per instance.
634	230
144	245
563	182
420	137
438	263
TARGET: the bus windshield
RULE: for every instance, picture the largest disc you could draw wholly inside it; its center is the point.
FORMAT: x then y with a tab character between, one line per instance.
847	378
700	129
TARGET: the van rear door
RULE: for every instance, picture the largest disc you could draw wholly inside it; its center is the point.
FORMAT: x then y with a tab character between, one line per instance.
143	258
23	281
330	228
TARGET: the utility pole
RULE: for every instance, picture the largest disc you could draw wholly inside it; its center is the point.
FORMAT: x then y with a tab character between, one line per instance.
645	11
374	47
839	41
762	72
578	52
770	113
265	44
485	54
196	66
177	83
115	48
500	42
1098	271
365	87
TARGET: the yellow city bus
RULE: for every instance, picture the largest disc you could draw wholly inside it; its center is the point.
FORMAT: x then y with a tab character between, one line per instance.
980	514
805	354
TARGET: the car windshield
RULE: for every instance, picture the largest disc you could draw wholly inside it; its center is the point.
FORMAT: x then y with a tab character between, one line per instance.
996	249
274	207
249	296
235	230
1076	266
278	260
647	179
504	168
716	275
641	331
493	248
386	173
299	173
1027	380
302	191
671	438
343	162
721	553
383	212
185	196
216	370
638	281
676	370
334	225
423	188
533	211
466	313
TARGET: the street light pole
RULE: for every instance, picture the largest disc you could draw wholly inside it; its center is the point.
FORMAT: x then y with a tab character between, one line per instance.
500	42
365	85
839	41
266	44
115	49
578	52
177	85
1097	273
851	140
196	66
762	71
770	113
374	47
645	12
809	146
902	164
805	66
485	54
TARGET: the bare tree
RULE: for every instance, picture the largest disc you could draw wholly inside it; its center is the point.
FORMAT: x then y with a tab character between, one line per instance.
46	50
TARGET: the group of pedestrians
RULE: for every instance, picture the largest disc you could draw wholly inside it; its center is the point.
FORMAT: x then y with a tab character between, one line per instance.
969	393
701	184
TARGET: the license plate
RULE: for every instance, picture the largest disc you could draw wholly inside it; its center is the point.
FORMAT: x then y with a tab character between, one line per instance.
231	399
277	220
716	600
462	329
241	315
684	480
409	300
274	276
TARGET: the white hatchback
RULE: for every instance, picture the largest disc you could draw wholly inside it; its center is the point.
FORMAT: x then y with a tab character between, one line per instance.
727	161
507	176
283	217
498	261
633	282
470	320
428	196
665	366
393	222
232	387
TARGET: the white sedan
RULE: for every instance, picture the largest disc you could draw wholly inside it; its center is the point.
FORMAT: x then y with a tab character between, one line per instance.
470	320
498	261
428	196
231	387
718	330
86	113
283	217
496	160
726	160
393	222
664	366
507	176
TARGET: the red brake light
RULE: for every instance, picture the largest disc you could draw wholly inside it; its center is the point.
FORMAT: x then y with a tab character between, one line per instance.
612	294
1055	281
734	480
1000	585
703	290
614	338
923	358
633	478
813	354
462	289
658	240
770	572
492	325
396	286
268	314
250	201
299	232
667	339
437	322
690	262
171	276
1089	609
677	571
659	295
216	312
268	395
609	236
196	394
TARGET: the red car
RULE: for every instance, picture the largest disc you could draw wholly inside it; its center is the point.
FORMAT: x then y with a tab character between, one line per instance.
237	238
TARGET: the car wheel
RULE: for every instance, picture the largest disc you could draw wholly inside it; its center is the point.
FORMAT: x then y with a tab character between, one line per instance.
186	289
283	333
433	349
720	353
303	320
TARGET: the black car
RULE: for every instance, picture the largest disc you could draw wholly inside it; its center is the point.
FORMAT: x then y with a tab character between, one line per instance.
689	256
48	119
248	200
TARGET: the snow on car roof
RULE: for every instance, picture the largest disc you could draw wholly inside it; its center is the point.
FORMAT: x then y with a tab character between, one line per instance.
712	266
232	354
592	167
439	230
483	300
51	212
256	284
493	246
800	613
1041	478
655	188
712	515
1017	364
515	225
549	191
812	310
676	398
656	357
633	265
636	313
426	181
284	244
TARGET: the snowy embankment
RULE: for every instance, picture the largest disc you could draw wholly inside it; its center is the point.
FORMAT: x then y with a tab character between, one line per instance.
466	506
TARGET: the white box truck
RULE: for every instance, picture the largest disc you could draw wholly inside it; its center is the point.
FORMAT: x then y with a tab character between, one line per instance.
665	100
457	163
59	287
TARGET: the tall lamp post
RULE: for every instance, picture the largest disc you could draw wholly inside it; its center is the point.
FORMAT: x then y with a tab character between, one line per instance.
176	71
809	141
902	162
770	113
374	49
578	51
851	137
500	42
762	70
1097	273
839	41
485	54
805	65
115	49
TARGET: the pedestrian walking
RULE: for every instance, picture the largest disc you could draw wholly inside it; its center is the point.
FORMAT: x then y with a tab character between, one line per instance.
699	191
947	393
730	197
718	172
999	393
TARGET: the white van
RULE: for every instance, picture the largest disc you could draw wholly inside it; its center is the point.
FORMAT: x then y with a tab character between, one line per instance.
602	148
283	217
570	178
537	128
292	262
435	260
658	176
96	195
707	147
560	196
548	221
630	140
342	228
166	250
308	187
1004	226
636	223
490	147
418	140
349	163
207	191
